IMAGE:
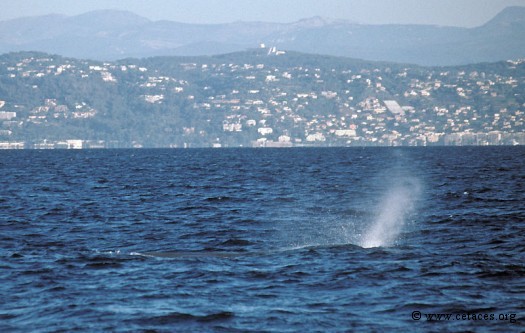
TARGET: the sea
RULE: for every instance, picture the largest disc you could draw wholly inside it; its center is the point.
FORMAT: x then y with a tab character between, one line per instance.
398	239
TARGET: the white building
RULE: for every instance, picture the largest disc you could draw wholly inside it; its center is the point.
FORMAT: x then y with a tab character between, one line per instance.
316	137
394	107
74	144
346	133
6	115
265	130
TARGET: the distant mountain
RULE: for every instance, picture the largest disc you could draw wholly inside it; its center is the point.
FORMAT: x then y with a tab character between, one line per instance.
500	39
110	35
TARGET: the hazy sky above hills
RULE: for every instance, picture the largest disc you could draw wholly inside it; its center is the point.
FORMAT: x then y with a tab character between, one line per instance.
464	13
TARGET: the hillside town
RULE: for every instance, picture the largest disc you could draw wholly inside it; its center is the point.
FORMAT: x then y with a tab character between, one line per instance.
258	98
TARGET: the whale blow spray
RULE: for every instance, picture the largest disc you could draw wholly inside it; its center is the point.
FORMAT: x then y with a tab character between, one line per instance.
395	207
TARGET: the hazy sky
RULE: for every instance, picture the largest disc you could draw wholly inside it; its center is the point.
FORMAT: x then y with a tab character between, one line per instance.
466	13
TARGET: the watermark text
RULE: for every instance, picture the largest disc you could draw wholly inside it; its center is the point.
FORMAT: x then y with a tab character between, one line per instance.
508	317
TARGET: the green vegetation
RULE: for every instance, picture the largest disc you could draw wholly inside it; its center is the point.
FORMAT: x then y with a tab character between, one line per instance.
254	98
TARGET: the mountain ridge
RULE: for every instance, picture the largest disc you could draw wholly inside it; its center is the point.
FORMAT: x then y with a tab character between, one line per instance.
115	34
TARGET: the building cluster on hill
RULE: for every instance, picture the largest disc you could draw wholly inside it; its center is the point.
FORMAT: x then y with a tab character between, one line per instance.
262	99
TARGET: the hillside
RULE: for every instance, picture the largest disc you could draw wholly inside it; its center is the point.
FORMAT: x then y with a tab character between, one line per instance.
261	97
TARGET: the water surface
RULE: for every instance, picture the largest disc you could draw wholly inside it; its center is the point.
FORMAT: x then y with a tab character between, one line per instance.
280	240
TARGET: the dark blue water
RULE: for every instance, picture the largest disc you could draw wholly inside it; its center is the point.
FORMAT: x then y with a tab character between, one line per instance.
263	240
